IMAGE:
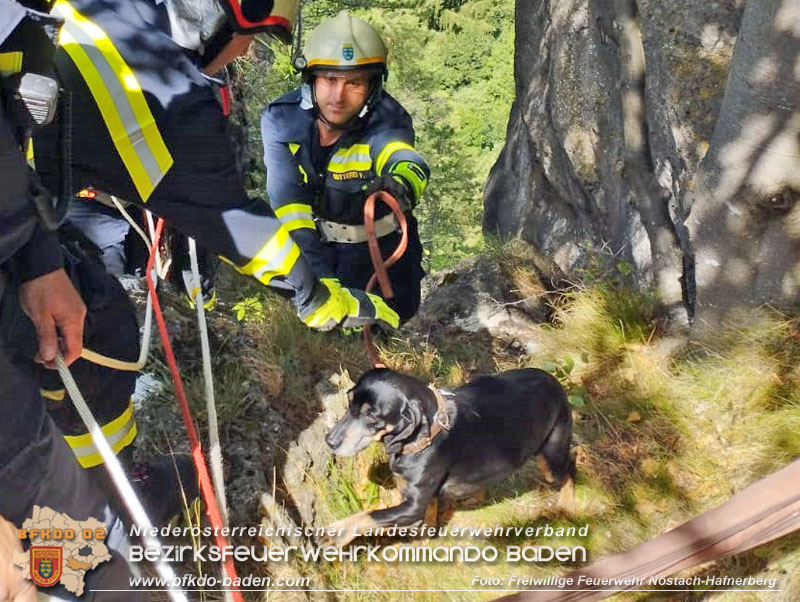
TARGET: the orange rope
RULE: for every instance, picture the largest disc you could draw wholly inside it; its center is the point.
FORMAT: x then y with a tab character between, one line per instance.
381	274
207	491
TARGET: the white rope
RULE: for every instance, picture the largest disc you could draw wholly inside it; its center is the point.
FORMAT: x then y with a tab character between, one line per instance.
121	208
121	482
144	348
215	449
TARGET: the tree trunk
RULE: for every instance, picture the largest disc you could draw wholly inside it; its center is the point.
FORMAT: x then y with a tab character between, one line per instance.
745	219
619	128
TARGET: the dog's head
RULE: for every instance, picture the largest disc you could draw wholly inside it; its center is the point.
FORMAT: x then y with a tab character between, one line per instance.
384	405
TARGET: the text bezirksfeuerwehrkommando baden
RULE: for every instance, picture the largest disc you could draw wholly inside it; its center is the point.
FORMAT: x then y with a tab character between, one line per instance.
423	530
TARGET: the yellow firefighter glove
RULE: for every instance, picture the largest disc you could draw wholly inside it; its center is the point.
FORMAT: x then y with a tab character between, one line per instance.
339	306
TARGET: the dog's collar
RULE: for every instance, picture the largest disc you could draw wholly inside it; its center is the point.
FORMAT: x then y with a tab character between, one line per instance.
441	421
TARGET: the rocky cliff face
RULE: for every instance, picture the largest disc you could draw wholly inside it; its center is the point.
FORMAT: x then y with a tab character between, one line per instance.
616	105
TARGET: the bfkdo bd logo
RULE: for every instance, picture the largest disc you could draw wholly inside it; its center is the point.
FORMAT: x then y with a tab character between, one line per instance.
46	564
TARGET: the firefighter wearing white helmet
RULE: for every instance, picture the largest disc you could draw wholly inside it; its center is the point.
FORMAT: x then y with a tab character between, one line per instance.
332	142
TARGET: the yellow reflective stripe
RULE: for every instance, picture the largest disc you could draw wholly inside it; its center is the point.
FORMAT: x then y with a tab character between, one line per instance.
95	459
295	216
276	258
314	62
10	62
53	394
369	60
119	98
412	176
130	85
365	61
297	224
387	151
354	158
120	433
292	208
293	148
361	149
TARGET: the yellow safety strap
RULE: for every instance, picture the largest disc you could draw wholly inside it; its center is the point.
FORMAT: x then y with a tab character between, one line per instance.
119	97
120	433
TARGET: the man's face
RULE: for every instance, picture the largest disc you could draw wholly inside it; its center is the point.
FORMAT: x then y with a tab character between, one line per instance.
340	94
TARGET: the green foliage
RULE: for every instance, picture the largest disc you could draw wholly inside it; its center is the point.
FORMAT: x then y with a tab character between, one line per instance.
451	66
249	308
562	370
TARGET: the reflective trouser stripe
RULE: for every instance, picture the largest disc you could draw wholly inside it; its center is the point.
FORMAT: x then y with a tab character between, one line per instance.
120	432
119	97
387	152
53	394
276	258
295	216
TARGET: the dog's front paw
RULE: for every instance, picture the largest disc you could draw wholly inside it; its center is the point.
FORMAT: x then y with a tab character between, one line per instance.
342	532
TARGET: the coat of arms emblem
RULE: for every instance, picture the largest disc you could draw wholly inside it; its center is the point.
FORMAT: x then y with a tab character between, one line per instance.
46	564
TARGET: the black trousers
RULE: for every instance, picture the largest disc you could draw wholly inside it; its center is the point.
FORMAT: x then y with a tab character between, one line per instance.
38	468
354	269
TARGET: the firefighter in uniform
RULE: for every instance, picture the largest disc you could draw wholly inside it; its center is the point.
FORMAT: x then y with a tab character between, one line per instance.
139	120
334	141
39	311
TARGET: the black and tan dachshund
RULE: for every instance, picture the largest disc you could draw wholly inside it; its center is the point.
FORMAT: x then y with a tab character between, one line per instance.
451	445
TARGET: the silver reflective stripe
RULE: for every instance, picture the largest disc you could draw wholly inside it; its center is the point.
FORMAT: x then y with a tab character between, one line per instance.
113	439
350	158
290	217
121	102
276	262
119	98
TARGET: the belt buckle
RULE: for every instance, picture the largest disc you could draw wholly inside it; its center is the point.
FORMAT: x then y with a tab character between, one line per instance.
322	233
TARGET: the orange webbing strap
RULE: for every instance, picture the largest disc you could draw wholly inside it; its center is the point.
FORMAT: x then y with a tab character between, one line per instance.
380	265
768	509
206	489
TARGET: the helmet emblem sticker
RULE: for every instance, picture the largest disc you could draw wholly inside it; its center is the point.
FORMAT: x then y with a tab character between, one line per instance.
347	52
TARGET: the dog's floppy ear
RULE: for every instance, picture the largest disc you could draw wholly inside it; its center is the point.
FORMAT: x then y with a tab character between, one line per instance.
412	418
